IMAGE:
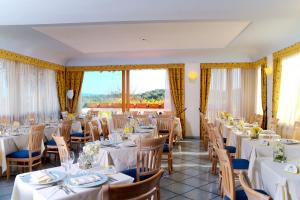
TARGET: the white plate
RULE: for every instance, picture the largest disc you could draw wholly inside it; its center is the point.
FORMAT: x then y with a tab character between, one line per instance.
289	141
93	184
58	176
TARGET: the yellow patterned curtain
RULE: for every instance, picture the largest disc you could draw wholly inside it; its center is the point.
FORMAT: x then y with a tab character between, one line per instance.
264	94
176	79
204	89
74	82
61	89
276	85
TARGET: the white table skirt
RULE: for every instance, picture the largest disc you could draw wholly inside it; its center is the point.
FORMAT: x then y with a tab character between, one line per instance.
25	191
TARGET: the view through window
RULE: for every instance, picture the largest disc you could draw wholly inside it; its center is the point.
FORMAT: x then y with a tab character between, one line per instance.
103	90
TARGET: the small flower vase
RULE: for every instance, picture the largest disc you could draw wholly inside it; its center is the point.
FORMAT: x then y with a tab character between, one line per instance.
279	153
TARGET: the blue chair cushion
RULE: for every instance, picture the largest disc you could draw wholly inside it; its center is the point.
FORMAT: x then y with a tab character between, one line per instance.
132	173
77	134
241	195
240	163
50	143
230	149
22	154
166	148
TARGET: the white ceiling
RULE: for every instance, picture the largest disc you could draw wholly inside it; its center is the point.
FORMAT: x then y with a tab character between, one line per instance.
77	32
146	36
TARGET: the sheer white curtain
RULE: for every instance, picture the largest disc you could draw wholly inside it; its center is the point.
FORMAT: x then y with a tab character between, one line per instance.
258	92
26	89
289	99
232	90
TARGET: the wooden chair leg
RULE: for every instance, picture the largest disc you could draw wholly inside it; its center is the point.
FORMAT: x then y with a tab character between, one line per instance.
30	166
7	170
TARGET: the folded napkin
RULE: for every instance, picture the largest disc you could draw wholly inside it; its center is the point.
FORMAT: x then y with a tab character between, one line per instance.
85	179
41	177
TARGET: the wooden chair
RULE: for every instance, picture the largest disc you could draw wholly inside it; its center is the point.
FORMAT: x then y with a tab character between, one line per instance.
259	119
296	132
149	156
169	113
61	145
273	125
147	189
95	130
134	113
151	113
93	113
64	115
105	127
251	193
65	130
32	156
119	121
163	124
81	138
143	120
31	118
168	147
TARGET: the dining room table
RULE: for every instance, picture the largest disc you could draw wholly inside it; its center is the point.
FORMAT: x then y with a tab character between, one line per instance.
25	189
269	175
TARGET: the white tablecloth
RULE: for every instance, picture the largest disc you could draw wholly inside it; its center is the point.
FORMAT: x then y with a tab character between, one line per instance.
25	191
268	175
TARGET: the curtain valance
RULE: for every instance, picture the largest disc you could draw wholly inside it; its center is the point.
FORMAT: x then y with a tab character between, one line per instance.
30	60
123	67
227	65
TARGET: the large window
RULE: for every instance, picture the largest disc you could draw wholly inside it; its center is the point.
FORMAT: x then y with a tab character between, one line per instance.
102	90
27	90
148	90
232	90
289	100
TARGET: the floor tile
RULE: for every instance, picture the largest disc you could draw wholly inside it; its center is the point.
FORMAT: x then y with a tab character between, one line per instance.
166	194
197	194
179	176
195	182
211	187
179	188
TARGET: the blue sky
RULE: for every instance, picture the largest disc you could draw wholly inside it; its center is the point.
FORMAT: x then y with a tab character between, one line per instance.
140	81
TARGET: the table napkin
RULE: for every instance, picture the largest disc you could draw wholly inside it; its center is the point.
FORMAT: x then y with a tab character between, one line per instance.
85	179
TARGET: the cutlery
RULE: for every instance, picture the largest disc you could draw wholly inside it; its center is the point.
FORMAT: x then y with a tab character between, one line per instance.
48	186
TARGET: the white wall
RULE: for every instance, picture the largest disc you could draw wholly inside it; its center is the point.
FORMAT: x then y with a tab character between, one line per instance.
192	100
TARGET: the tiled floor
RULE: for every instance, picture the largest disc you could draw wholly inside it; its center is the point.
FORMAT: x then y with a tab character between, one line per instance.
190	180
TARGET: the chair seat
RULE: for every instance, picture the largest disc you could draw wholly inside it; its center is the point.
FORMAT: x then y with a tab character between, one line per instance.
240	163
132	173
230	149
50	143
166	148
22	154
77	134
241	195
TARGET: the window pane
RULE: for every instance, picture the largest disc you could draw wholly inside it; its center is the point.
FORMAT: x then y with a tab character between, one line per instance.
147	89
102	90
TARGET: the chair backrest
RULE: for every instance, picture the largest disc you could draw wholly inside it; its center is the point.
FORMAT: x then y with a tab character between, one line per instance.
169	113
152	113
65	130
227	173
36	135
218	139
119	121
105	127
134	113
164	123
259	119
149	155
296	131
31	118
94	130
86	126
143	119
142	190
61	146
171	134
93	113
273	125
251	194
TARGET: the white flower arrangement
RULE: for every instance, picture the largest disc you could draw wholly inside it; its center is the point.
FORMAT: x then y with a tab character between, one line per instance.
91	149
